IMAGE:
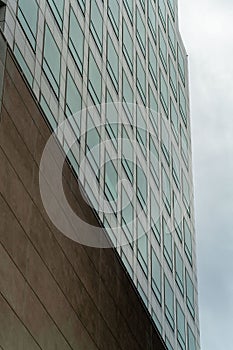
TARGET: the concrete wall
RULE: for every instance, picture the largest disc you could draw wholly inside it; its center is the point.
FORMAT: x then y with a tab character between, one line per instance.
54	293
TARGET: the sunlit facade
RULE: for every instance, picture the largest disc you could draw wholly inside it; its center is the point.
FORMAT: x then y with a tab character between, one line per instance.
128	61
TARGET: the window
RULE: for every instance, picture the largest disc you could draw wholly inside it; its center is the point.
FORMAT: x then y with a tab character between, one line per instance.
167	244
172	77
127	154
28	18
76	40
177	216
165	142
166	191
142	248
156	276
172	38
141	32
57	8
180	324
141	187
169	346
127	264
182	102
171	4
94	80
112	63
163	93
52	60
127	216
152	64
110	183
127	46
129	8
184	147
175	167
191	340
142	2
181	65
155	217
82	5
154	160
187	241
190	294
153	113
48	112
169	302
162	50
107	219
128	98
186	193
156	321
92	146
142	293
152	19
174	120
96	25
73	104
141	80
162	13
141	131
24	66
111	119
114	14
179	267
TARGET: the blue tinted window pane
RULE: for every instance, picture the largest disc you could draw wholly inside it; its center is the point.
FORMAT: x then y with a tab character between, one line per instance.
95	80
163	93
73	104
129	8
180	321
111	119
169	302
167	244
141	32
76	40
96	24
110	183
153	64
57	7
191	340
48	112
162	13
112	63
163	50
114	14
127	46
156	276
190	294
141	186
187	241
155	217
179	270
142	248
23	65
52	61
28	18
141	80
127	98
152	18
127	154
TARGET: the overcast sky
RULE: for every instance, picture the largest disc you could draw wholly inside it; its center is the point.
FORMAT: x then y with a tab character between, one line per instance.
207	29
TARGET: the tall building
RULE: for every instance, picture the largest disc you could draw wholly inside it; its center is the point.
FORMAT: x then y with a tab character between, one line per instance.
124	66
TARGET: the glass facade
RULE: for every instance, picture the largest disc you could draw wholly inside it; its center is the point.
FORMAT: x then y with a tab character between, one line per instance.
77	54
